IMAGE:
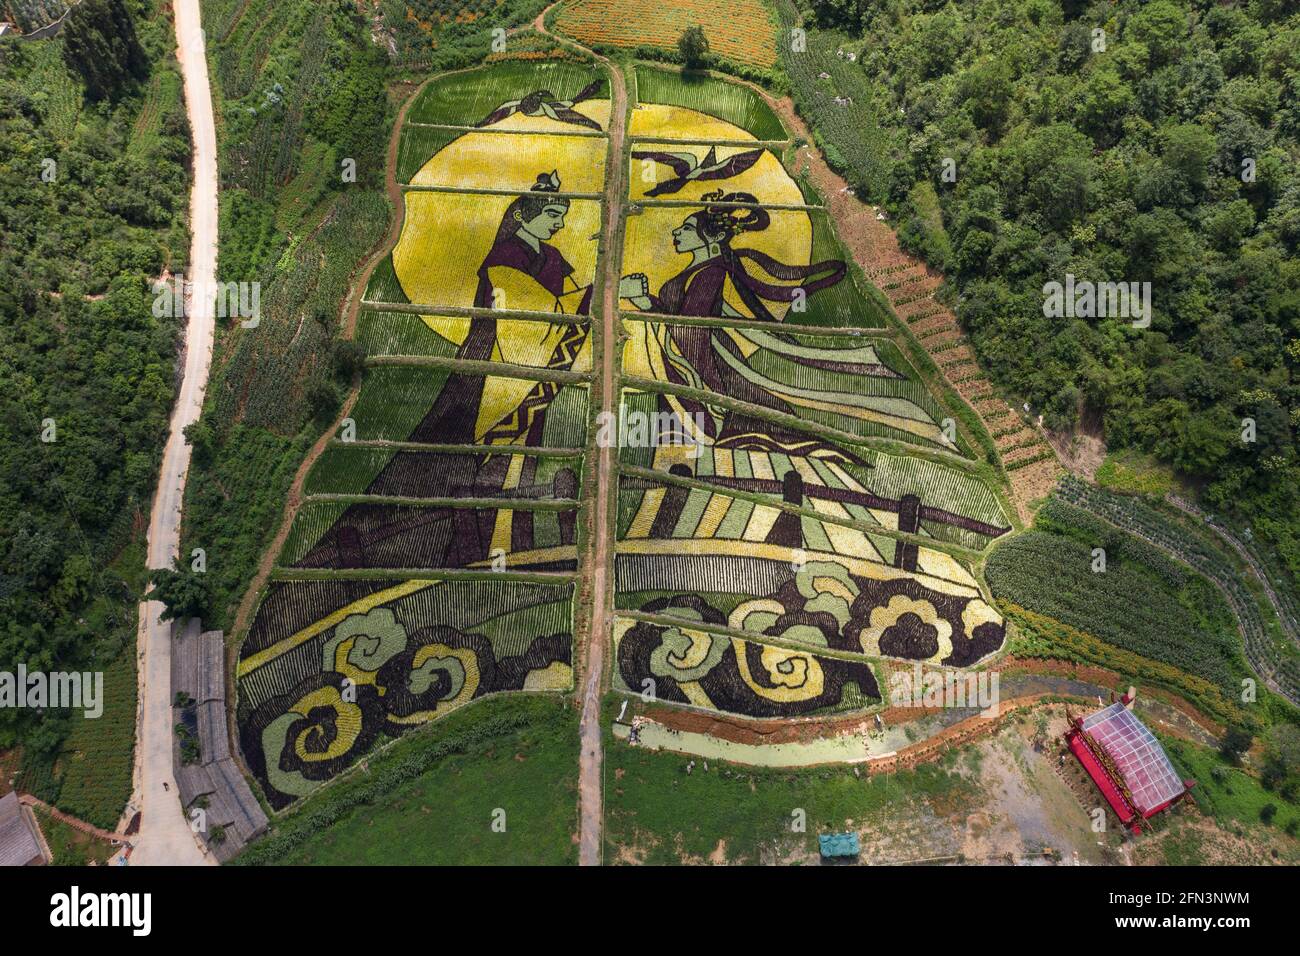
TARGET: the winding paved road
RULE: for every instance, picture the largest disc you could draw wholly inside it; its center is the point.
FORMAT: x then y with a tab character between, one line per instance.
165	836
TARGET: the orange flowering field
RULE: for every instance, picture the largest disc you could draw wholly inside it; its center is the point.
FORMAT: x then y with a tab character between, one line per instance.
740	30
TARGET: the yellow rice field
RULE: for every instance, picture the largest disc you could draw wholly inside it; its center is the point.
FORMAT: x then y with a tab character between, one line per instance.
648	247
767	179
447	235
684	125
489	160
518	341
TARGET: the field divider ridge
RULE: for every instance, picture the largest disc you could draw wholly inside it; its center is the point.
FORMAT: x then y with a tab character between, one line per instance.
688	203
477	366
674	141
587	134
460	311
789	328
489	191
539	451
722	630
282	573
514	504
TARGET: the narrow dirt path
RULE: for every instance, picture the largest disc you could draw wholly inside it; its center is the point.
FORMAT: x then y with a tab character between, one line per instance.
590	763
590	779
165	836
27	800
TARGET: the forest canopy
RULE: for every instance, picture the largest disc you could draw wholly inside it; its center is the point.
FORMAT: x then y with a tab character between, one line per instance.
92	210
1126	142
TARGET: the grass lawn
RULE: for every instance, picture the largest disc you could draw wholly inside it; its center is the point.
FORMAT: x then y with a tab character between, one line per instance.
1223	791
656	813
517	753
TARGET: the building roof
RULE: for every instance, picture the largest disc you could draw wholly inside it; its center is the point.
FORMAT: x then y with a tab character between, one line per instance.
839	844
1148	776
1101	777
19	845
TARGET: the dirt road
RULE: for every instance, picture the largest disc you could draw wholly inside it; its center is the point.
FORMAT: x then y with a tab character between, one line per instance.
590	780
165	836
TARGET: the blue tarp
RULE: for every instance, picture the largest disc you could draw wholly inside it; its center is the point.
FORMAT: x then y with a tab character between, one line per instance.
838	844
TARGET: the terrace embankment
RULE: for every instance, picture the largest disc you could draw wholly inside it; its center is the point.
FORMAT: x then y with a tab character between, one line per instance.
928	731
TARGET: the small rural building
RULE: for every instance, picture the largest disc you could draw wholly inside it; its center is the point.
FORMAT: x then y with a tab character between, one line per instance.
1126	763
839	847
213	783
20	839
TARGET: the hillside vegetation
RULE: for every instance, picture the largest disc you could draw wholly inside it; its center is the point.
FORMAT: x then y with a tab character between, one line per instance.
299	91
92	211
1138	142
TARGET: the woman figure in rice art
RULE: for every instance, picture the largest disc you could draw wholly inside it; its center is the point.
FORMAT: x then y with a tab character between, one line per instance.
718	283
717	271
520	271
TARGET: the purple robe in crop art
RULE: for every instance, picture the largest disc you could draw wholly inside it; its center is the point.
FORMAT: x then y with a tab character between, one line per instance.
698	289
547	267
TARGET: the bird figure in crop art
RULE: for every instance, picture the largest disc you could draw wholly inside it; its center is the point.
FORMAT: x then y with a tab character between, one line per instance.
544	103
688	168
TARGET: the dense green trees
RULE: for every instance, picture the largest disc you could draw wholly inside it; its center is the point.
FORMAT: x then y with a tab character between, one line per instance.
92	205
1122	141
184	593
100	43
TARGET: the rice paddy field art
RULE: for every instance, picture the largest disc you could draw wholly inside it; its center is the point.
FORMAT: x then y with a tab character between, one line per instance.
794	515
432	561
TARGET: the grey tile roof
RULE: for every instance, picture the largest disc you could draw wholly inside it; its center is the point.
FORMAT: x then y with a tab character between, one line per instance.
18	843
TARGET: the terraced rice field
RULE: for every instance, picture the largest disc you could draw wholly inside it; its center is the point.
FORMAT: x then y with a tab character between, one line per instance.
691	107
857	386
433	558
796	509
